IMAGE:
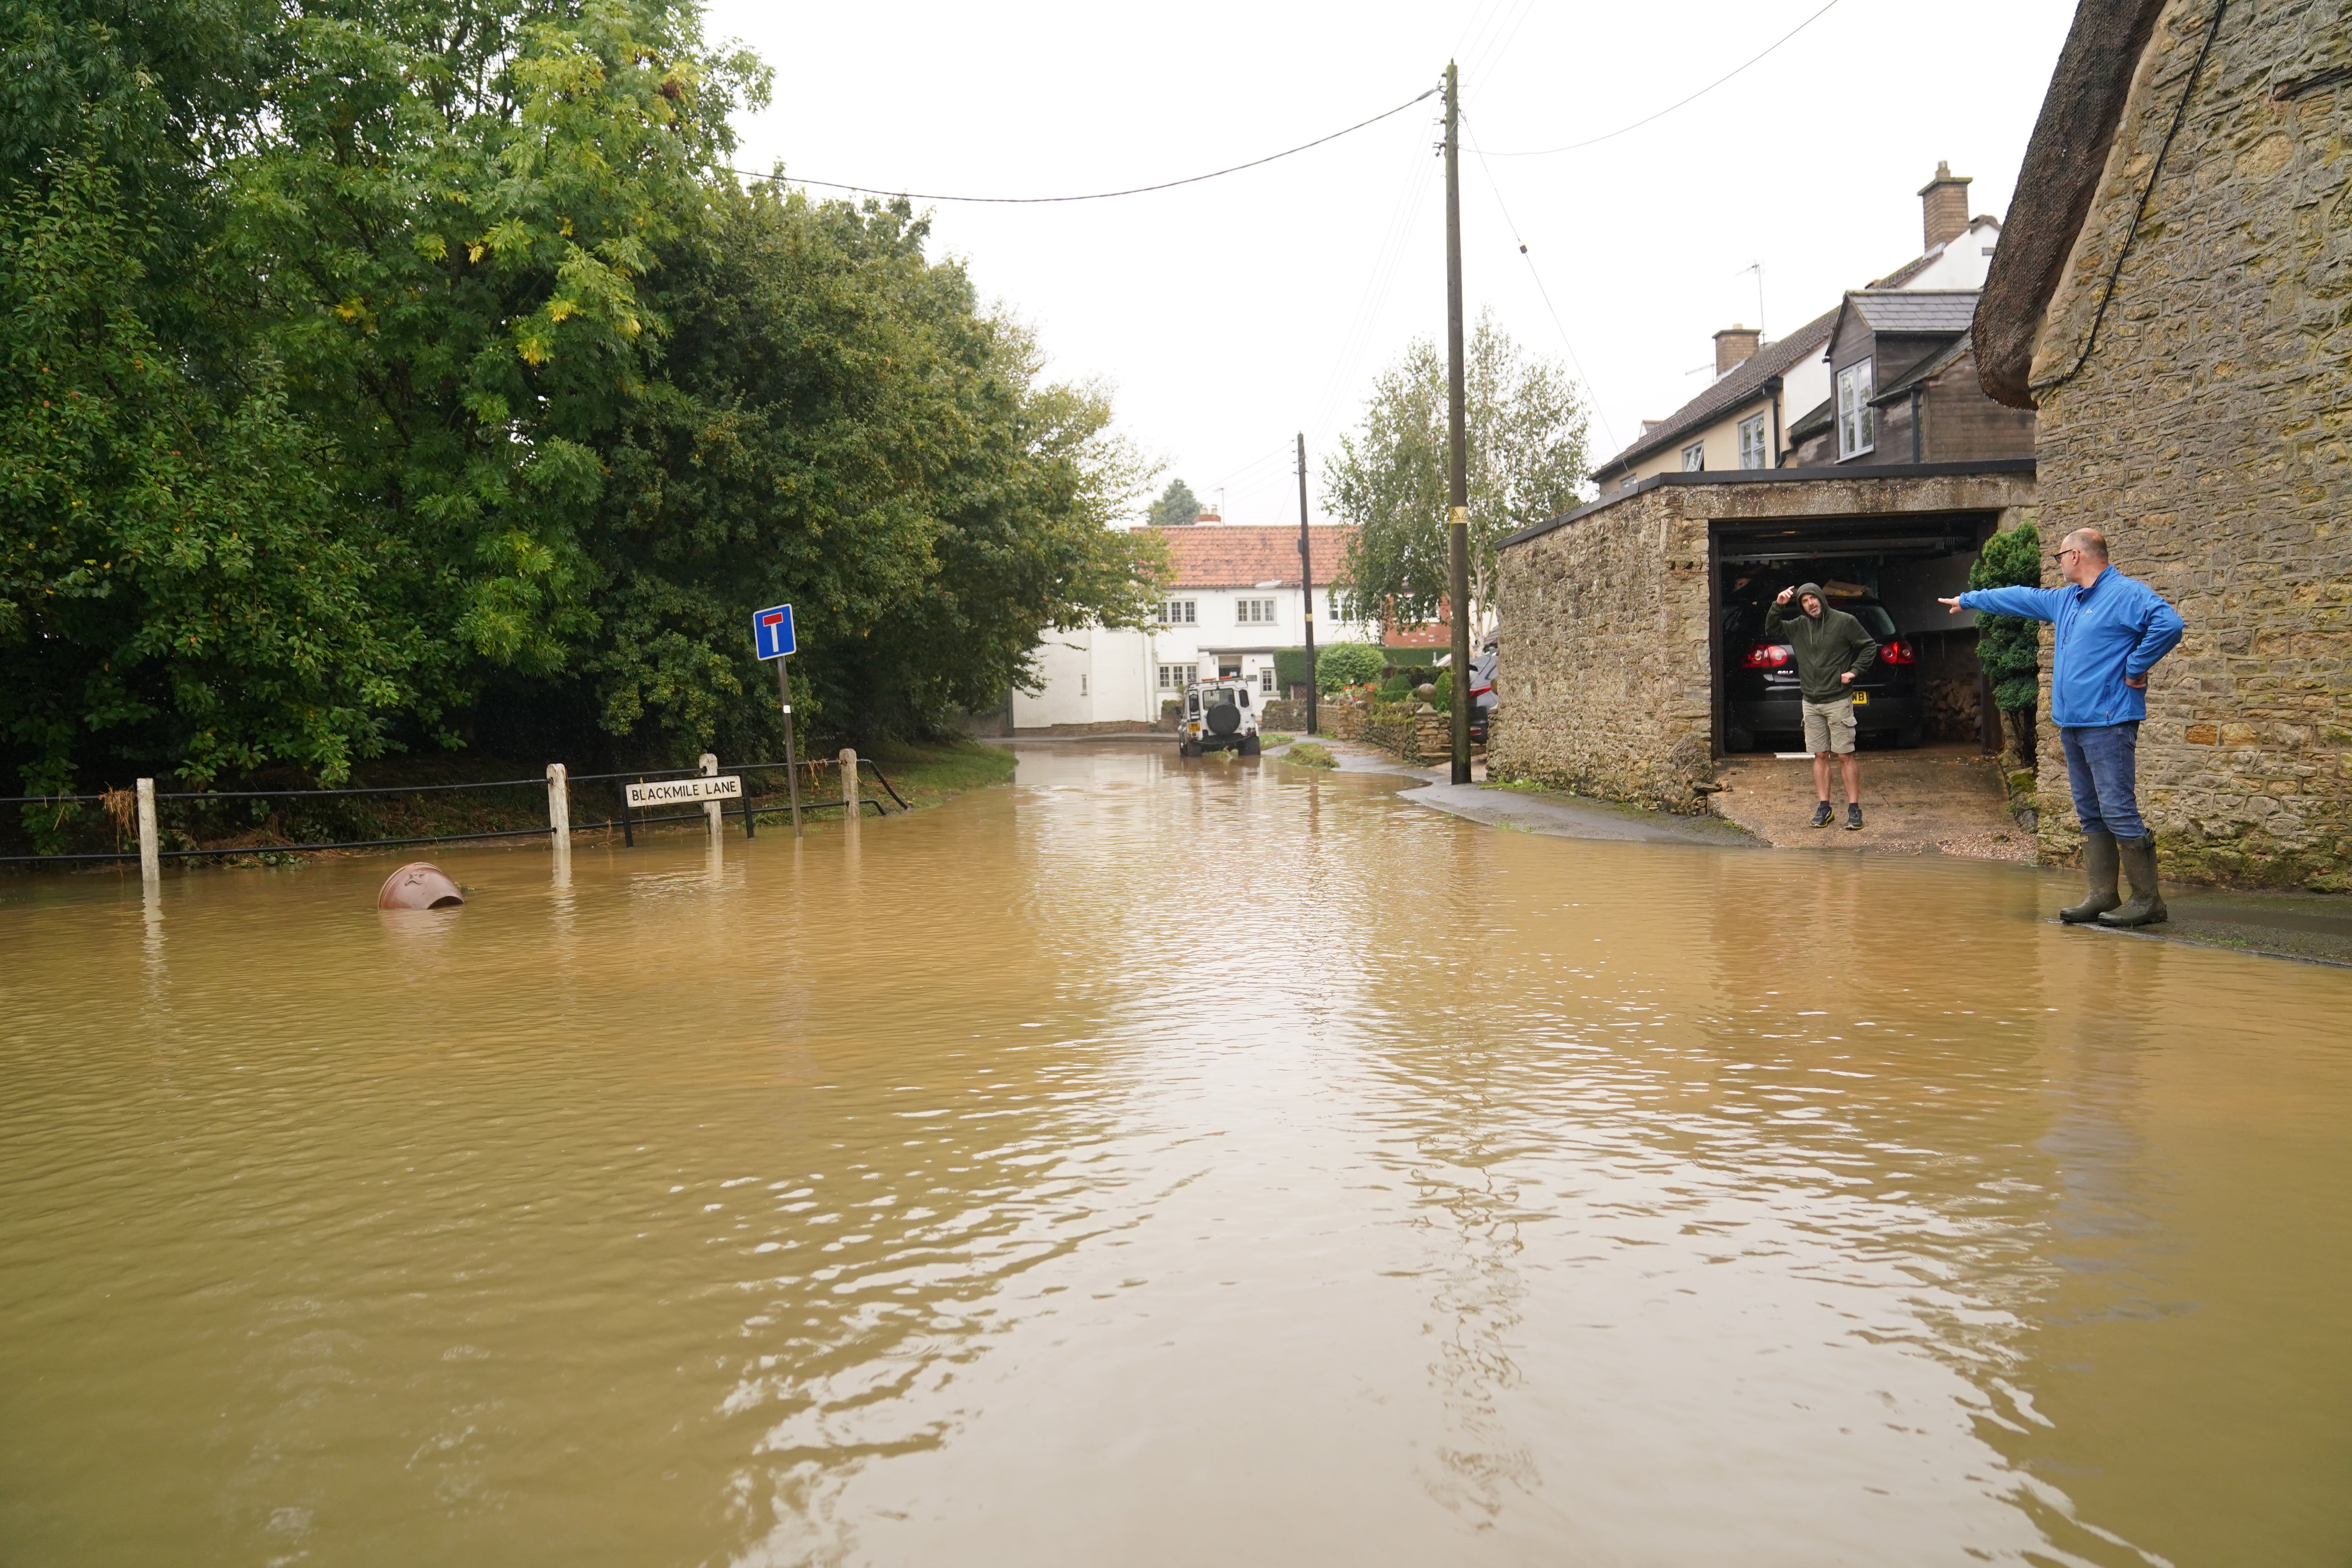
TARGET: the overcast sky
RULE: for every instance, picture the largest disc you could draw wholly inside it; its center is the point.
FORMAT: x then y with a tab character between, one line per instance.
1230	314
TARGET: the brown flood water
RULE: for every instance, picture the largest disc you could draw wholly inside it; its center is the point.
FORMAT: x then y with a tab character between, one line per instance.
1127	1167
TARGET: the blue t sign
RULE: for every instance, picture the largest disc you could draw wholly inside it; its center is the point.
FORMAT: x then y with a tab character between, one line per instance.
771	632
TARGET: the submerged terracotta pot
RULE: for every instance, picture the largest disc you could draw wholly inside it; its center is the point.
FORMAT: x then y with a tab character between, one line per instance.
419	885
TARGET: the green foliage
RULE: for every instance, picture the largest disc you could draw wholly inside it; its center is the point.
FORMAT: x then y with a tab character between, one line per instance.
1444	701
2008	646
1177	505
1309	754
1289	668
1347	664
1526	425
1395	689
173	579
411	377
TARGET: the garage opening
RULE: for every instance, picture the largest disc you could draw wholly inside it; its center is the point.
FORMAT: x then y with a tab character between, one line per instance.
1888	572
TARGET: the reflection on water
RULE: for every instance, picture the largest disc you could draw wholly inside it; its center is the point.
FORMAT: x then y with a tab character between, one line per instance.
1162	1164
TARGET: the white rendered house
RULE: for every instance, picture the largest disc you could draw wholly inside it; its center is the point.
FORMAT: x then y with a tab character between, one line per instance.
1235	600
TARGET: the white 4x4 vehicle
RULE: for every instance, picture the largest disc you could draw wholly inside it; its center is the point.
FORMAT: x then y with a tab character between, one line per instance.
1218	717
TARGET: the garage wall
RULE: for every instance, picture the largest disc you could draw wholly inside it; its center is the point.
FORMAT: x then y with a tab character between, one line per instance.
1605	681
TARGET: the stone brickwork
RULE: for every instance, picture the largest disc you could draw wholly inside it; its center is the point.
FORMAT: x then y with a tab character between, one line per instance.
2210	434
1608	674
1605	672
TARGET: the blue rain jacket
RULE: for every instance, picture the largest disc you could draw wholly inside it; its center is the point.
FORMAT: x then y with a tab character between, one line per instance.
2116	626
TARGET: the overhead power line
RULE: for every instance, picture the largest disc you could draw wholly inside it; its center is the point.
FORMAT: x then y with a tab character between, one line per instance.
1095	195
1661	114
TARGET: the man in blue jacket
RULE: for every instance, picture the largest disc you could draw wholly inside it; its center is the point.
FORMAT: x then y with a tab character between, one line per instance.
2111	631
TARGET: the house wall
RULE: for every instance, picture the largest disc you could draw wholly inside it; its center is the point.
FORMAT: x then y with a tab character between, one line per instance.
1959	424
1963	262
1104	678
2210	434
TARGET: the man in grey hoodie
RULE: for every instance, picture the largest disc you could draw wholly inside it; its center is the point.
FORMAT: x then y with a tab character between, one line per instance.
1832	651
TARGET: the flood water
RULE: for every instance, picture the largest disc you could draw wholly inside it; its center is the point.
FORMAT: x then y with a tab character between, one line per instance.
1163	1164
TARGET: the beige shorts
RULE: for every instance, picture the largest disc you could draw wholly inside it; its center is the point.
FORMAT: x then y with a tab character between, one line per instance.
1829	726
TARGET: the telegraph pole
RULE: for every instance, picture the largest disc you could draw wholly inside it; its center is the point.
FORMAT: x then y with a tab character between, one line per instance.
1307	582
1457	529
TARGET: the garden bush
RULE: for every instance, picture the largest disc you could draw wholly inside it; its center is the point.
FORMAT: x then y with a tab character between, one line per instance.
1347	664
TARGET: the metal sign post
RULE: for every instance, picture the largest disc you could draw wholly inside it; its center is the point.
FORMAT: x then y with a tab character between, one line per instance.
773	638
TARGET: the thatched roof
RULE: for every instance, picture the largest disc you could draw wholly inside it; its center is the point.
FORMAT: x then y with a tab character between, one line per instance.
2056	185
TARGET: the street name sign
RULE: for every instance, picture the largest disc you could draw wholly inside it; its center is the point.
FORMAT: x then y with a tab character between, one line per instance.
771	632
685	792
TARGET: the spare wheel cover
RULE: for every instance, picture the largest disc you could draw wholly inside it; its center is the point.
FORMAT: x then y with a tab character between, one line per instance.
1225	719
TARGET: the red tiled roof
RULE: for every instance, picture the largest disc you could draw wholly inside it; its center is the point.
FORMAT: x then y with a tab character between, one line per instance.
1213	555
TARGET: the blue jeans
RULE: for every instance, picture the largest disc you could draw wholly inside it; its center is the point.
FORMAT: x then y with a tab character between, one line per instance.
2102	763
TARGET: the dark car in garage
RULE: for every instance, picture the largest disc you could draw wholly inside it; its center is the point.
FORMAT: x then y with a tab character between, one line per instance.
1760	694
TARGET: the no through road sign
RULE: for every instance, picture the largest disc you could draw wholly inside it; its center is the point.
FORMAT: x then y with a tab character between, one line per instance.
771	631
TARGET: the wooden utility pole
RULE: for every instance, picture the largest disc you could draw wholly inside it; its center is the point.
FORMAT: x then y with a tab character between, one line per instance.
1457	529
1307	582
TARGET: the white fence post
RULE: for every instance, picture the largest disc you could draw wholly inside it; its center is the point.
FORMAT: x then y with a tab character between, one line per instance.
558	805
150	863
849	783
712	812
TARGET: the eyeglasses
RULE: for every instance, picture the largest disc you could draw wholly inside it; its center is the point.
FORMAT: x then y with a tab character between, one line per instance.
2062	555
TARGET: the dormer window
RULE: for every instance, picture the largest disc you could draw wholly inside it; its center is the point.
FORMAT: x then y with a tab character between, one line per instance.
1855	434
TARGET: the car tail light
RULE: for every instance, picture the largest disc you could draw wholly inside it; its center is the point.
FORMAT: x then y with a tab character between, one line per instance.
1895	650
1766	656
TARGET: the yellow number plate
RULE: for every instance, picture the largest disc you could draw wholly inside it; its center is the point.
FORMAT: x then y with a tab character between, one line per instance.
1860	697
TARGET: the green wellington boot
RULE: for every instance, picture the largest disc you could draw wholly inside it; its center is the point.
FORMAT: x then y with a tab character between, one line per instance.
2145	906
2099	867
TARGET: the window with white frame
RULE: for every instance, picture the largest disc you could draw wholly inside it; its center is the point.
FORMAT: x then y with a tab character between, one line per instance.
1694	458
1177	677
1255	612
1180	612
1753	452
1266	680
1855	434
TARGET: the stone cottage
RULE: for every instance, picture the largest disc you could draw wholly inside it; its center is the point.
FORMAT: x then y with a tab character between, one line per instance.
2173	296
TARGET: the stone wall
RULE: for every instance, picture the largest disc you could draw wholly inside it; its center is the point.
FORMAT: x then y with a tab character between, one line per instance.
2209	434
1605	675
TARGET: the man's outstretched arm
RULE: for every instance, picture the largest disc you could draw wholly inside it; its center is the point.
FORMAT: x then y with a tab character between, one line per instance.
2026	603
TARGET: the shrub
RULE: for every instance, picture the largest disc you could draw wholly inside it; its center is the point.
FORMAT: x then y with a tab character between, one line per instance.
1347	664
2010	647
1289	668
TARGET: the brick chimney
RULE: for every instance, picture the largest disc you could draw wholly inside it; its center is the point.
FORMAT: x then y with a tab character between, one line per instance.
1942	206
1733	345
1208	514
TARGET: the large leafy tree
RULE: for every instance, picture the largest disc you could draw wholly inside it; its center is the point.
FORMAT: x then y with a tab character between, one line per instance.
416	374
837	426
1526	425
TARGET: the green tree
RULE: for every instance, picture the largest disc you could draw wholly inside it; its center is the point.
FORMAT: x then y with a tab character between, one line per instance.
2008	646
1177	505
1525	458
420	376
1347	664
174	577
